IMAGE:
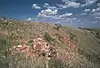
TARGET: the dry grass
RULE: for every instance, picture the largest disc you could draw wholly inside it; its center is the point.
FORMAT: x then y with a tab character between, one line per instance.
12	33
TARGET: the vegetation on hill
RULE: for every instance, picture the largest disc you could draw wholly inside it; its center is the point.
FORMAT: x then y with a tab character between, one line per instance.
74	48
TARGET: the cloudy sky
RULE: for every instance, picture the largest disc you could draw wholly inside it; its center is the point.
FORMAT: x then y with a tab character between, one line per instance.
84	13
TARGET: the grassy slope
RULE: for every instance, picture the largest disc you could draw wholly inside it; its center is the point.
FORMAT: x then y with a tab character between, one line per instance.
86	40
88	44
10	32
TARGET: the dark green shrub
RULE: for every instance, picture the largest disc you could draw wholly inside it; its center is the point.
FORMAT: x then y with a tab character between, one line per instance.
30	43
97	35
48	38
57	26
72	36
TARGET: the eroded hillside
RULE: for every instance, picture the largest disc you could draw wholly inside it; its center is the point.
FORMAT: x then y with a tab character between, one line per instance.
41	45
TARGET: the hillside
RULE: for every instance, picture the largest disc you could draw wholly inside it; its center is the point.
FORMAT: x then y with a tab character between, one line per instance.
41	45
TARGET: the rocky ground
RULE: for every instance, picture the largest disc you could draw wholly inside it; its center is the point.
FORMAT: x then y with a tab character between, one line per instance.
39	45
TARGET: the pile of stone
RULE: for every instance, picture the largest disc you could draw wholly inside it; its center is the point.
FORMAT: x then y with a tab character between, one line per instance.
39	48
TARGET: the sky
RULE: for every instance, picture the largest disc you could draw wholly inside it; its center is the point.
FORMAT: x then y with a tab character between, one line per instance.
76	13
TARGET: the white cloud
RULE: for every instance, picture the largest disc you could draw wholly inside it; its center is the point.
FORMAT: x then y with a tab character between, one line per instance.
29	19
89	2
73	4
35	6
98	9
46	4
95	15
68	4
52	7
42	15
66	1
66	15
95	21
86	10
83	14
61	6
48	12
93	10
45	14
98	4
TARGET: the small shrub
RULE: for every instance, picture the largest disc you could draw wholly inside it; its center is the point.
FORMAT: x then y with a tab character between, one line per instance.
4	18
97	35
48	38
57	26
72	36
30	43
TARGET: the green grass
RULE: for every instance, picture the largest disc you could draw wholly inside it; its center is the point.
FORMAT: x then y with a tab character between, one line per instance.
4	46
94	31
56	63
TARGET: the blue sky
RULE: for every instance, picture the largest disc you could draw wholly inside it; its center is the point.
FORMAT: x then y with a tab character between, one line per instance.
84	13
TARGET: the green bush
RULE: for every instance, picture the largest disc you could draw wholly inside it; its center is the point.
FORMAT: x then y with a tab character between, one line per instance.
30	43
57	26
72	36
48	38
97	35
